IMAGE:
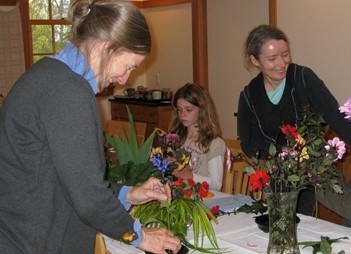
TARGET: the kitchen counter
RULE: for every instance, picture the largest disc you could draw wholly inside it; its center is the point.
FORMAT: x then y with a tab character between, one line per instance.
132	100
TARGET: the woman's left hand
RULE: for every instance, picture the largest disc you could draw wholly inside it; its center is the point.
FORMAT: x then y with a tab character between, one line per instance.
150	190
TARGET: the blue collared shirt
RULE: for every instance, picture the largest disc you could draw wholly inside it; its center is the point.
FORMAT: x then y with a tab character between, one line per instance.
77	62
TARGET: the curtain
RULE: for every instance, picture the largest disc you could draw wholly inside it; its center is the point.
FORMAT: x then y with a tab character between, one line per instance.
11	47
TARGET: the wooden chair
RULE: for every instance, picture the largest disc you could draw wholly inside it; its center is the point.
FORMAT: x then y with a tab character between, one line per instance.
100	247
236	180
120	128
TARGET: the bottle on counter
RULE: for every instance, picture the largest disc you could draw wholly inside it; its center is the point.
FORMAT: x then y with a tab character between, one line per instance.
167	94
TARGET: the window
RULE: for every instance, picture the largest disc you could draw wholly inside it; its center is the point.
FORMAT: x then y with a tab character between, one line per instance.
49	27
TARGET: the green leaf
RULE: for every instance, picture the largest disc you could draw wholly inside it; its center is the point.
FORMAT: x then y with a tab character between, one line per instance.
323	246
272	150
134	162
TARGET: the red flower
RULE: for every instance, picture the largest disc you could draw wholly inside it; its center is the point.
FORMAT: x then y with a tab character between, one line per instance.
203	191
191	182
178	183
258	179
187	193
289	131
214	211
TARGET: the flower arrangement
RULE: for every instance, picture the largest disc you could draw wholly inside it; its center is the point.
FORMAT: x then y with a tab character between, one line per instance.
136	164
186	210
306	160
169	156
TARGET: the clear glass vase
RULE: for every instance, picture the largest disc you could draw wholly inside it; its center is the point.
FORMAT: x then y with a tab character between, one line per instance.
282	223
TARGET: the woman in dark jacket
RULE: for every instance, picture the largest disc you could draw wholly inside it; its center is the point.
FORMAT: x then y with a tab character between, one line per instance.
277	95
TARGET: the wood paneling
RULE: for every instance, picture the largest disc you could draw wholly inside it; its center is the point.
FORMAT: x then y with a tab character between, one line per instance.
158	3
8	2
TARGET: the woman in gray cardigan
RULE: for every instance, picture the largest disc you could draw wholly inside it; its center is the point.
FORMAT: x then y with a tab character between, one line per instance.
53	196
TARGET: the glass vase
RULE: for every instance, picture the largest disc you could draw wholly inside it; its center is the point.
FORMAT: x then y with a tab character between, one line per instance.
282	223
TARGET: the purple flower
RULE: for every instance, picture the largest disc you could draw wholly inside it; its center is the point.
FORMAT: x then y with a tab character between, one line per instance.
338	145
172	137
346	109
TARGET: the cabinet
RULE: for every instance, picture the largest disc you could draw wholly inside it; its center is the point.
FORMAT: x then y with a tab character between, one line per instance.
155	114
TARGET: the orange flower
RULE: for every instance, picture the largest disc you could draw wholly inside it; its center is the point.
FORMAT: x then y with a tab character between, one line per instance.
259	179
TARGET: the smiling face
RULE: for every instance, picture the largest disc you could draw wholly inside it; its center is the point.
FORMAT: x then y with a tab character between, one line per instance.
188	113
273	61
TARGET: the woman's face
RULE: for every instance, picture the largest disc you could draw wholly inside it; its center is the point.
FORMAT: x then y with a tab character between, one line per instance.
118	68
188	113
273	60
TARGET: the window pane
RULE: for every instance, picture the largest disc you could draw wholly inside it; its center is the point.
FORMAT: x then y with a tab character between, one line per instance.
60	9
39	9
42	39
61	36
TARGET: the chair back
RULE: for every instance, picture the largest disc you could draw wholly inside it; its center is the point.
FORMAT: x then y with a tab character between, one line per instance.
235	179
100	247
121	128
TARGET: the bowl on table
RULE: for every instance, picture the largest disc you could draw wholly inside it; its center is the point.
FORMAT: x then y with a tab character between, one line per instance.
262	222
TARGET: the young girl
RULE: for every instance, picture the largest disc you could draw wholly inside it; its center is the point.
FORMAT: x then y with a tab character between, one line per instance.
196	122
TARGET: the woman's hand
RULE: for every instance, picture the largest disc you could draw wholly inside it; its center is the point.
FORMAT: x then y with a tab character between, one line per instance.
150	190
158	240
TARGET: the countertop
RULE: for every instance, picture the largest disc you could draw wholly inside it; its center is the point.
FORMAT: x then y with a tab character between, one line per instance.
132	100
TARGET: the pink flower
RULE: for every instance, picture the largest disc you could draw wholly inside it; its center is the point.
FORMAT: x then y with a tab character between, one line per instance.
338	145
173	137
346	109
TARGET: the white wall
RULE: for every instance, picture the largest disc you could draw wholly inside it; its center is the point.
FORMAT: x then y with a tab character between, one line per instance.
229	22
171	54
320	34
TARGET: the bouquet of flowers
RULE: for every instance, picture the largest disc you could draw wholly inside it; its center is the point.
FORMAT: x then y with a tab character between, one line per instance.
186	209
169	156
136	164
306	160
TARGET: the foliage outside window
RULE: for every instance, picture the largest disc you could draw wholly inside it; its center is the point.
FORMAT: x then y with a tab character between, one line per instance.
49	27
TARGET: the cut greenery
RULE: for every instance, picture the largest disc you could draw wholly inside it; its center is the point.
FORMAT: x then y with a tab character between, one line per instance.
324	245
134	165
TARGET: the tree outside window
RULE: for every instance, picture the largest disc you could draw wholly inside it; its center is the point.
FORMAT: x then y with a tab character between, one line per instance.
49	27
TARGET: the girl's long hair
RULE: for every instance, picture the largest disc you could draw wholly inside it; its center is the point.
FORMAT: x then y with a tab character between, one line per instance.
208	126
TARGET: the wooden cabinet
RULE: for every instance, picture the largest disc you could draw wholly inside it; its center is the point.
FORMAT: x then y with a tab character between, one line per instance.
155	114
